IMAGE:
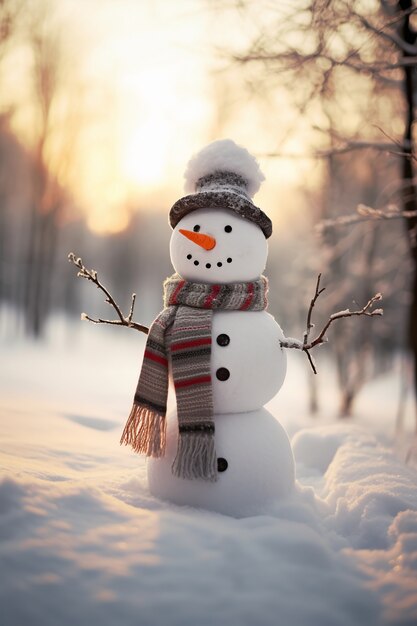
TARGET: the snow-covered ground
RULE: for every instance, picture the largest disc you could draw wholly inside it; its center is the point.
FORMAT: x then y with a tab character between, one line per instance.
82	541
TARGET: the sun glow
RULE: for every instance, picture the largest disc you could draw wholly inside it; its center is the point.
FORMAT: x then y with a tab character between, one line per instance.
138	99
140	147
112	214
144	153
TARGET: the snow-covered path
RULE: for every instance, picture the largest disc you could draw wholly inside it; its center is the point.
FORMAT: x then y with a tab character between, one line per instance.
82	540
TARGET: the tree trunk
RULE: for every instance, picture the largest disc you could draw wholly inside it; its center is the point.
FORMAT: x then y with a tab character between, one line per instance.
346	406
409	189
413	327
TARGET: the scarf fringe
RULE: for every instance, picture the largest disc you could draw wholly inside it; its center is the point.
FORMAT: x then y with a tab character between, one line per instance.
196	457
145	431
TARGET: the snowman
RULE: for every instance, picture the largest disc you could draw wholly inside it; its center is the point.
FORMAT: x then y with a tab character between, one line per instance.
216	346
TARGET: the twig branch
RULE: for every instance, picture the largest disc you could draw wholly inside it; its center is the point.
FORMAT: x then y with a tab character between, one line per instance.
321	338
348	147
364	214
352	146
91	275
309	325
391	36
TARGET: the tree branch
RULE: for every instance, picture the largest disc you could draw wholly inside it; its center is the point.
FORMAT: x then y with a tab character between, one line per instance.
309	325
349	146
321	338
365	214
393	37
91	275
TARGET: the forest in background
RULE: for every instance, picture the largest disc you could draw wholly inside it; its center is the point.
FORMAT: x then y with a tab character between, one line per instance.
347	66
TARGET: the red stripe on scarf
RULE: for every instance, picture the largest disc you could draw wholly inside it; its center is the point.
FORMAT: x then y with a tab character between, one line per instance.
192	381
249	299
173	299
191	344
154	357
213	293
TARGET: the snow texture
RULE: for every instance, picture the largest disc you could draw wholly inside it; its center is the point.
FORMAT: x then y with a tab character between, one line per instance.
82	541
291	342
223	155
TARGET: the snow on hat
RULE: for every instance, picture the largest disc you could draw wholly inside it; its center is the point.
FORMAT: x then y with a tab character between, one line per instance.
222	175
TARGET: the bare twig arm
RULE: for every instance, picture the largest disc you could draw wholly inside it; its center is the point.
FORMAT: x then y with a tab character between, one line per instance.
321	338
309	324
366	310
91	275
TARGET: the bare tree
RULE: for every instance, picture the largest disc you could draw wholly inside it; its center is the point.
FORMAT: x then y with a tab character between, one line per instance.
350	67
46	201
406	45
9	15
55	133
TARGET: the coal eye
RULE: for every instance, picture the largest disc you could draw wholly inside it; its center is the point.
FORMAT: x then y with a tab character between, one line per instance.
228	229
196	228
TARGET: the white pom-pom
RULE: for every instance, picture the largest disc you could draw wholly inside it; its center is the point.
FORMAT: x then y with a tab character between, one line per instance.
224	156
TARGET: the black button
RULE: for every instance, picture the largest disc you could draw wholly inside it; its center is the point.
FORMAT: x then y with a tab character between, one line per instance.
223	340
222	373
222	464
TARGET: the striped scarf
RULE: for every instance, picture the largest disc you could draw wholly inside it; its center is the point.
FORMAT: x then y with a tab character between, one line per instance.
182	334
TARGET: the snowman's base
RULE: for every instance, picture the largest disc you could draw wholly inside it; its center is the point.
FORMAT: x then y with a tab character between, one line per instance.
256	460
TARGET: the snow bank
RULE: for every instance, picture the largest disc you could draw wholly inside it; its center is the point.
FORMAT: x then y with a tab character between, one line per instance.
73	555
371	500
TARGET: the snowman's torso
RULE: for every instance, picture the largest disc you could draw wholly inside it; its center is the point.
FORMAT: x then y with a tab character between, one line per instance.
255	460
248	365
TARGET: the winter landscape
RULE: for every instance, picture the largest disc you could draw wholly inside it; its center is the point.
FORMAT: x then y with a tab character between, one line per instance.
271	495
83	540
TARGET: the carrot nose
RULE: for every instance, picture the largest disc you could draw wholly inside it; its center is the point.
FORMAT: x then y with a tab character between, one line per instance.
205	241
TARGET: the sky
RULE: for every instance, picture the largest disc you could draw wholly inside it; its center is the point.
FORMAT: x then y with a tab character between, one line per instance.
144	85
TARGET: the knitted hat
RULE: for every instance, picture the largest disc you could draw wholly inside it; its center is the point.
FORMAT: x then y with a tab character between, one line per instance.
222	175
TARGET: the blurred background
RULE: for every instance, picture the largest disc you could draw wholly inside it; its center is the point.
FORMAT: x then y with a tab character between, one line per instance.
103	102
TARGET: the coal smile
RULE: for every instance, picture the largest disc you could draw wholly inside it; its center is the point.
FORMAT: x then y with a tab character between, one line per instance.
209	265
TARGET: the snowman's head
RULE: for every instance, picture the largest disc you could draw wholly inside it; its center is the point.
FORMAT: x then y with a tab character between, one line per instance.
216	245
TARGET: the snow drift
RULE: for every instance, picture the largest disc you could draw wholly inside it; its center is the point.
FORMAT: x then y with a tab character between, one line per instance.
83	541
